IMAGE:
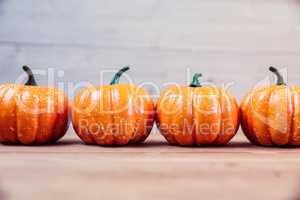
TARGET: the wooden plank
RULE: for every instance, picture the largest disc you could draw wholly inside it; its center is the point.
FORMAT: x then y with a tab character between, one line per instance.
153	170
161	39
160	67
210	25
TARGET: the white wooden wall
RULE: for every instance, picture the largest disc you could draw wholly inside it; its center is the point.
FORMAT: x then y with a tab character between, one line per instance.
226	40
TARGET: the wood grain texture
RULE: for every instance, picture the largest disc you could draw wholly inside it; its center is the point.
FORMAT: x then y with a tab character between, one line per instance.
73	170
227	41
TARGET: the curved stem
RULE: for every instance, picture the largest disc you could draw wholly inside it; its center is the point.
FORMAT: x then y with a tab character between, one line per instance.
280	80
117	76
31	80
195	81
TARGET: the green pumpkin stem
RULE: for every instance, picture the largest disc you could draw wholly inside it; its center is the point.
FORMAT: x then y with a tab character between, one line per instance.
31	81
195	81
280	80
117	76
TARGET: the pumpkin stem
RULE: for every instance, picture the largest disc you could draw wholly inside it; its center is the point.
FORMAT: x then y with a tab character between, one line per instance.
280	80
195	81
117	76
31	81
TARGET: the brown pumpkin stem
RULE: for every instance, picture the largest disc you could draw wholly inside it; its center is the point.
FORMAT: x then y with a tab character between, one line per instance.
280	80
31	81
117	76
195	81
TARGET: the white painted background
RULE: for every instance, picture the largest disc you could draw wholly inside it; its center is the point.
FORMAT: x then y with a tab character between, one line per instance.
228	40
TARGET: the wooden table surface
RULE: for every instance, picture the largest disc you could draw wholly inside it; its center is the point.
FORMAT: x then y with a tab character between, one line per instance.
154	170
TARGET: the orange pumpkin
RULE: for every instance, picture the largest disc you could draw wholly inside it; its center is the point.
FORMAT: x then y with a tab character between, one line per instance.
271	115
115	114
30	114
197	115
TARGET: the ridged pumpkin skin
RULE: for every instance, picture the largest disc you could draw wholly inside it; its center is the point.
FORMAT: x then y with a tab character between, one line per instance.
197	115
32	114
271	115
117	114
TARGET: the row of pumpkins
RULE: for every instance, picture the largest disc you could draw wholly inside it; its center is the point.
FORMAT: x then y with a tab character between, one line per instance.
121	114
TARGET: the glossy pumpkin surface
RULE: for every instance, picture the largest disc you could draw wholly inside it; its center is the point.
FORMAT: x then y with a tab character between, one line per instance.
271	115
115	114
31	114
197	115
